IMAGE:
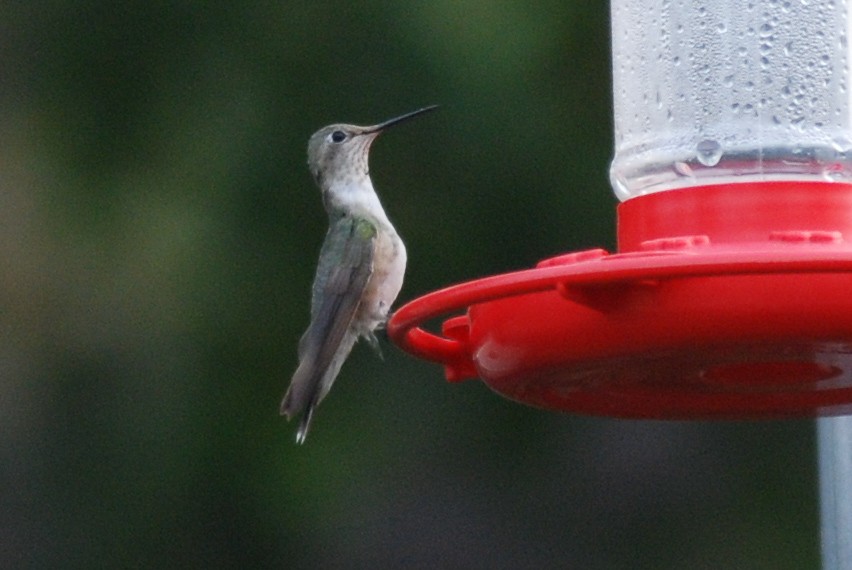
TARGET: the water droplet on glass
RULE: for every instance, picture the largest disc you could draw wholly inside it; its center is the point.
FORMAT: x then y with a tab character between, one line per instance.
709	152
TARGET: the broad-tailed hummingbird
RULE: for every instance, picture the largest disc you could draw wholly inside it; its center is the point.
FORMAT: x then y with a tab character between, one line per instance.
361	264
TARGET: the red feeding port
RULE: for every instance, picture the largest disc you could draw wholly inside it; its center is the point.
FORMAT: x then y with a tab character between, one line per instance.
725	301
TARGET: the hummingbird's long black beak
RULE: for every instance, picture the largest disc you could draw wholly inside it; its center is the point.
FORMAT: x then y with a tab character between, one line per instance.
396	120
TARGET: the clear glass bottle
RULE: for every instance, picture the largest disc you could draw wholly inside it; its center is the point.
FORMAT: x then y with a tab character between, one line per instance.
724	91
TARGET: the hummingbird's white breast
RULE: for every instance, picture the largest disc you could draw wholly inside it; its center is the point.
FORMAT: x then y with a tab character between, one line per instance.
358	197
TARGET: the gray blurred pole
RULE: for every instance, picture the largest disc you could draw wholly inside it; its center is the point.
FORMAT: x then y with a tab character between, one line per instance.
835	489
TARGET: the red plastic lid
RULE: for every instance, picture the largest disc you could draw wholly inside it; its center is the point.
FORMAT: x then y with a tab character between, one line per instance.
723	302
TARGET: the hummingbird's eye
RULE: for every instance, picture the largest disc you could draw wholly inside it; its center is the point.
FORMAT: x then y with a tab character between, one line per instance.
338	136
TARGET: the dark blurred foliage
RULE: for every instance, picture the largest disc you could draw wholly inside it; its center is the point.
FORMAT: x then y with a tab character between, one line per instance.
158	235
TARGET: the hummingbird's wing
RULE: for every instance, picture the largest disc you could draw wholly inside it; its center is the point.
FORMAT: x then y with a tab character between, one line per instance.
346	263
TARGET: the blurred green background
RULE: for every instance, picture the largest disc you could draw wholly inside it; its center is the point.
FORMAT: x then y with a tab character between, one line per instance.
158	236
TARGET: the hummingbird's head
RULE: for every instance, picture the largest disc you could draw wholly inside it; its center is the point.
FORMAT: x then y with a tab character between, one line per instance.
339	152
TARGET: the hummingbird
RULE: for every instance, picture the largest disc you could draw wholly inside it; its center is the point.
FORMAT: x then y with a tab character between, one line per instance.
361	264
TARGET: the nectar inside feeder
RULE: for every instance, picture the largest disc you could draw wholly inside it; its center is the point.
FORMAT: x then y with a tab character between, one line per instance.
729	295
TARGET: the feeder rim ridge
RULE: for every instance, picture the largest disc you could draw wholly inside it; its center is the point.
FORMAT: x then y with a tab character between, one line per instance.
603	270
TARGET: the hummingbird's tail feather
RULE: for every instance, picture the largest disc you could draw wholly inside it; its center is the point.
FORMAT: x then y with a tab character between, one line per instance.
301	387
311	383
305	425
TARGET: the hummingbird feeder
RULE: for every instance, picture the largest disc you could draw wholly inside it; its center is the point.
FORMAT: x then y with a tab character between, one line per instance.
730	295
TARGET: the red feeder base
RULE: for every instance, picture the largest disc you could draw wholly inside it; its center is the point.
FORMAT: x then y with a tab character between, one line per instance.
727	301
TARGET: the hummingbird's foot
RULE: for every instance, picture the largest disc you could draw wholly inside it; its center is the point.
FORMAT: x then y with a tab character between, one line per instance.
373	341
